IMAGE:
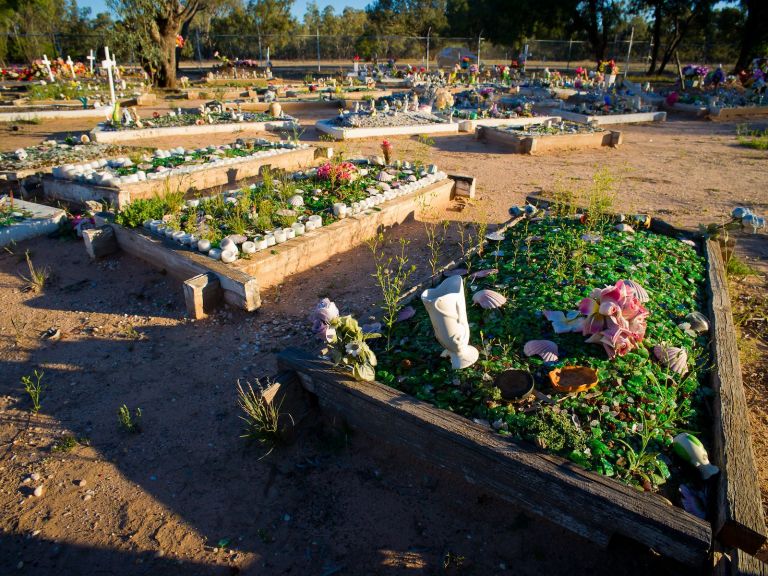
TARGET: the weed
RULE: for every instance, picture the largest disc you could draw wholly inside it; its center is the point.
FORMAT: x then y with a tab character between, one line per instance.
436	234
261	416
599	199
129	423
37	276
392	274
34	121
735	266
69	443
33	386
756	139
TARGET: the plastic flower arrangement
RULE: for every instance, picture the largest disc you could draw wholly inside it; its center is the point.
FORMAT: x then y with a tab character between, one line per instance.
341	172
581	72
613	316
608	67
179	41
345	339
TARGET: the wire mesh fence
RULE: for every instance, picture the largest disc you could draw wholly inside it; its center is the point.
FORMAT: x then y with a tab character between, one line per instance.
326	50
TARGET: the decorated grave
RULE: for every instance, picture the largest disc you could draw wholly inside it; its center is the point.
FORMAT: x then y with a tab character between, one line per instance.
22	220
122	180
247	240
211	118
603	109
550	135
403	117
579	365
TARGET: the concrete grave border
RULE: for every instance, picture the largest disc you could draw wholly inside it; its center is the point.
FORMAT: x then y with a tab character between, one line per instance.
110	136
207	176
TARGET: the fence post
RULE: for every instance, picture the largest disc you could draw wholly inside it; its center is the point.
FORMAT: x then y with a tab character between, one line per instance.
629	51
570	47
479	39
428	31
199	54
317	33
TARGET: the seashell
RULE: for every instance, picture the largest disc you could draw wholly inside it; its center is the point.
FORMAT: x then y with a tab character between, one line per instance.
625	228
642	220
228	244
697	322
689	242
495	236
544	348
455	272
740	211
675	358
371	328
591	238
406	314
692	502
385	176
489	299
639	291
483	273
228	256
296	200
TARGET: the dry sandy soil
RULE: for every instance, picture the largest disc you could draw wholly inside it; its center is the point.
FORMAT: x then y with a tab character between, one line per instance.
189	496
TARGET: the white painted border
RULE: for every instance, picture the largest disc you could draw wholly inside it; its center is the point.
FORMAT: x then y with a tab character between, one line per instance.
350	133
43	114
632	118
109	136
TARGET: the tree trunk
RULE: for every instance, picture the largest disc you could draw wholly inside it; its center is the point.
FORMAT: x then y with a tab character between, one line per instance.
755	35
656	38
166	75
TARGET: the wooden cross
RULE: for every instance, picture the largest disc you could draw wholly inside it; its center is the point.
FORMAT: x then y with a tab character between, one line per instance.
48	67
71	66
91	58
108	64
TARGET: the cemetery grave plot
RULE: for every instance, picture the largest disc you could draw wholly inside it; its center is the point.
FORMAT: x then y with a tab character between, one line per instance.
598	462
21	220
25	162
549	136
234	245
366	124
122	180
175	123
484	107
51	111
601	110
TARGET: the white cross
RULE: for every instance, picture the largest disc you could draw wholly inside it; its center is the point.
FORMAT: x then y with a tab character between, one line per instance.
48	67
91	58
71	66
108	64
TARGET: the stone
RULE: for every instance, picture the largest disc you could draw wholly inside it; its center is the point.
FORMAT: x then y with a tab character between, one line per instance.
39	491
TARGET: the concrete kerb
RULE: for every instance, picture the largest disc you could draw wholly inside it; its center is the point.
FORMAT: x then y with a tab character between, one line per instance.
338	133
43	221
109	136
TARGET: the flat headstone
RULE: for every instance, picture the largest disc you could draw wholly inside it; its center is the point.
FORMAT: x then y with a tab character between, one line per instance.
43	220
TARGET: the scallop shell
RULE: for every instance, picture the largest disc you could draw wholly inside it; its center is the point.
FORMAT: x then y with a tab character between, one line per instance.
495	236
488	299
483	273
697	322
544	348
296	200
625	228
675	358
406	313
639	291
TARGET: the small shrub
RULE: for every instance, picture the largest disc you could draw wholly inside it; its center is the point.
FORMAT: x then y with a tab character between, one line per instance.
261	417
737	267
33	386
37	276
129	423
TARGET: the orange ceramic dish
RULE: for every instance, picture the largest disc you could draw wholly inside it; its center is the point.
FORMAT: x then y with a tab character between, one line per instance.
573	379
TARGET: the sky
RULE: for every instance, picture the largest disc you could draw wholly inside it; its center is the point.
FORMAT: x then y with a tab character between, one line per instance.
299	6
